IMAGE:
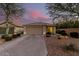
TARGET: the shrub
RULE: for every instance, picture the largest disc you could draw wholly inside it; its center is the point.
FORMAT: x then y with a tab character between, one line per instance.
62	32
6	37
18	34
59	38
14	36
9	37
70	47
48	34
57	31
74	34
21	33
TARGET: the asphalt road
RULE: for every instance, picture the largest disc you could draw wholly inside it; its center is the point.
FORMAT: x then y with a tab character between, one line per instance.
25	46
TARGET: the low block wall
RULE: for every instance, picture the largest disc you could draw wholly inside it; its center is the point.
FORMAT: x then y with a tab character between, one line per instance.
68	30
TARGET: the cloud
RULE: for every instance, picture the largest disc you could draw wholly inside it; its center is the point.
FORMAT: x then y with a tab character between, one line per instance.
37	14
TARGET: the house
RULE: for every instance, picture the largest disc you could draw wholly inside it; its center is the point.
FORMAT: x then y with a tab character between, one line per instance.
31	28
13	28
39	28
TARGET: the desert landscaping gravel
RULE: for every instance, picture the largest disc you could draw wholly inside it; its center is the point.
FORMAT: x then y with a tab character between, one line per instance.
54	46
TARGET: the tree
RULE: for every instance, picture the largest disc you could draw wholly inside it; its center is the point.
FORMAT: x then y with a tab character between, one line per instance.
10	10
63	9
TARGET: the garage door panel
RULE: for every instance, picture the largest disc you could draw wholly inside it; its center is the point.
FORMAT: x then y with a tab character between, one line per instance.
34	30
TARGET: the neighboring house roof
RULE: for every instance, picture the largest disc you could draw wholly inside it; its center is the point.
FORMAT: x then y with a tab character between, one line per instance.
40	23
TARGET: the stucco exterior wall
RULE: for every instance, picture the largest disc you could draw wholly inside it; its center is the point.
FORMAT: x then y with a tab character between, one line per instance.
17	29
44	30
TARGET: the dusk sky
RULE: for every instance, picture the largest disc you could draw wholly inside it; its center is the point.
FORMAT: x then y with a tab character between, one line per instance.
34	12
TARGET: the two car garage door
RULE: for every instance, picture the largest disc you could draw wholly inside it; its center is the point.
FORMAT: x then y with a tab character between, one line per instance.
34	29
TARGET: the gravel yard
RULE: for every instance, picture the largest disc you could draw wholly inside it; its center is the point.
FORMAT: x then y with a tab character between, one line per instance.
54	46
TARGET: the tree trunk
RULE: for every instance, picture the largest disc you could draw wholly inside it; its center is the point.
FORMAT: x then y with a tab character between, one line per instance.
7	28
7	25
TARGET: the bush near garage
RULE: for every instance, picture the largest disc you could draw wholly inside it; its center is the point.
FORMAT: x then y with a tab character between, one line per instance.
62	32
74	34
48	34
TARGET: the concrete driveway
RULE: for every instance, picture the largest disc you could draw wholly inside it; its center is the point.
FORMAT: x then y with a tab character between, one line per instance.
28	45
